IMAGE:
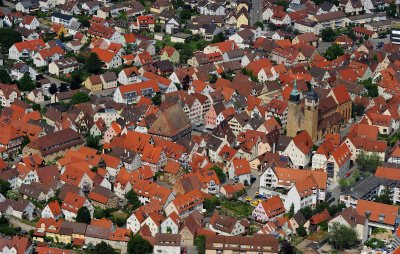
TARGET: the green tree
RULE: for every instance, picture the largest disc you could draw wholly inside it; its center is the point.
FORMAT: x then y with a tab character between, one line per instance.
392	10
283	3
286	248
342	237
84	20
93	141
133	200
333	52
358	109
186	53
156	99
5	77
13	194
93	63
200	243
185	14
4	187
76	81
384	197
291	211
103	248
301	231
8	37
210	204
138	245
218	38
371	87
26	83
220	173
79	97
368	163
327	34
53	89
307	212
83	215
259	24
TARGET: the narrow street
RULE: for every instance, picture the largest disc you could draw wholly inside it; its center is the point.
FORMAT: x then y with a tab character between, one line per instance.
256	11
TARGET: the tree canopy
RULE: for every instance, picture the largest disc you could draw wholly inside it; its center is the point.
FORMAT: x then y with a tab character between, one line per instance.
301	231
200	243
327	34
53	89
5	77
133	200
333	52
26	83
4	187
103	248
342	237
93	63
83	215
220	173
218	38
368	163
138	245
79	97
8	37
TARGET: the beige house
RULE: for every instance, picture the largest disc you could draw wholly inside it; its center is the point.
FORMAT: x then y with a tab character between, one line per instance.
169	53
350	218
93	83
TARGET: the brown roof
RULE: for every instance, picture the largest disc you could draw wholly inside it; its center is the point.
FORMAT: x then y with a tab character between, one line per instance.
170	122
257	243
57	141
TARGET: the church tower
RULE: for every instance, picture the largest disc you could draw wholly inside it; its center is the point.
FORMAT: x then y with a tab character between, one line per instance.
293	120
310	123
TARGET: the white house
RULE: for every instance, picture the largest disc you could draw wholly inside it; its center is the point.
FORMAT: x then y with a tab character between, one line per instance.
299	150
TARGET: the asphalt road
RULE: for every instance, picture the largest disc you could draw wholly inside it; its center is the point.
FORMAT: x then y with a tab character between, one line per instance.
9	4
256	11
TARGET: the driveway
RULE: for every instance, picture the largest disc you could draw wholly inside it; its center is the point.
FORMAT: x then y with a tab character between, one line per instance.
53	80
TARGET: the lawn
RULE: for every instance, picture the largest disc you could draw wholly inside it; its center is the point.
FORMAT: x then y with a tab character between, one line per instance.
119	218
318	236
237	209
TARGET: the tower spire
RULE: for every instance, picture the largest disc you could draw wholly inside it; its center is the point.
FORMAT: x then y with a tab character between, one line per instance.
294	94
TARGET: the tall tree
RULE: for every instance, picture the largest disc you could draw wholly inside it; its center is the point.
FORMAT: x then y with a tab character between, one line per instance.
220	173
8	37
53	89
4	187
83	215
138	245
342	237
301	231
5	77
200	243
103	248
327	34
368	163
26	83
79	97
133	200
333	52
93	63
291	211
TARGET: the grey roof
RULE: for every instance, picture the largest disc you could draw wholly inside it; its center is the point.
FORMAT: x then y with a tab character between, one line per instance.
62	16
109	76
76	227
283	142
326	6
235	53
97	232
364	187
